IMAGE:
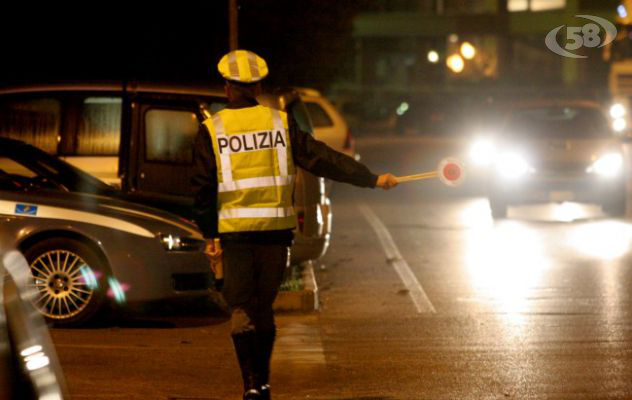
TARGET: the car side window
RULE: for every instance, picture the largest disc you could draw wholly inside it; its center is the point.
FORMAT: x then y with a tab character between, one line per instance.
9	166
99	131
169	135
319	117
34	121
14	176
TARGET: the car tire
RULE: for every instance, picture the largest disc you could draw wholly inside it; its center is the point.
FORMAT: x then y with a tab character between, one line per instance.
498	207
615	206
71	279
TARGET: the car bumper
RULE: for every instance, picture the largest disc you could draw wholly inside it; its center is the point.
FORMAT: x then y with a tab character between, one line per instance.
558	188
148	272
308	248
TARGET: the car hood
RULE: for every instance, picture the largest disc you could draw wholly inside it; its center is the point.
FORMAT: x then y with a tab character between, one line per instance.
562	153
148	219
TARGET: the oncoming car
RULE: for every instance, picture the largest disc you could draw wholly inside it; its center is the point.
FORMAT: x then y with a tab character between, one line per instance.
85	250
553	151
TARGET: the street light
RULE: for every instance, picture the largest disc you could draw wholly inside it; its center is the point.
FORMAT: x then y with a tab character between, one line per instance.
433	56
456	63
468	51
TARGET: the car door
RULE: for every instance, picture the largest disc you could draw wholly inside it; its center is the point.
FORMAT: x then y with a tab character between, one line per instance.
163	133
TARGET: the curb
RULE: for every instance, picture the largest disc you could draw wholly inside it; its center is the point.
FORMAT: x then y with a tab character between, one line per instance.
305	300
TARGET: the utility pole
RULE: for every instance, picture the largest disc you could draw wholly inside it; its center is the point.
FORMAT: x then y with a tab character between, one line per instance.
232	25
505	41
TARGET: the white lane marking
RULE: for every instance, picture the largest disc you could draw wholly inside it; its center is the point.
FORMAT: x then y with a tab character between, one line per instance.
64	214
415	290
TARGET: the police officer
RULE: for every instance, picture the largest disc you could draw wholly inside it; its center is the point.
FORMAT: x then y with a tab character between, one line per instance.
246	158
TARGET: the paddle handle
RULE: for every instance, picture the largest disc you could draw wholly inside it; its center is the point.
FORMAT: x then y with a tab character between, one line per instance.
418	177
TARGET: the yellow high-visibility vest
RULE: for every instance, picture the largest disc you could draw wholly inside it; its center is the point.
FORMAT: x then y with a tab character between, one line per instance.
255	169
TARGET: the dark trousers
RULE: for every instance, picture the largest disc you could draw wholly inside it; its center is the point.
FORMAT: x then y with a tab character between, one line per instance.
253	274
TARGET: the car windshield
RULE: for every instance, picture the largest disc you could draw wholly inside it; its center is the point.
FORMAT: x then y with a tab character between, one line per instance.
559	121
23	167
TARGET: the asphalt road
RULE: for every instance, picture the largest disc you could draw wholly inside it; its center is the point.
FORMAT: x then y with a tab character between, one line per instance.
423	297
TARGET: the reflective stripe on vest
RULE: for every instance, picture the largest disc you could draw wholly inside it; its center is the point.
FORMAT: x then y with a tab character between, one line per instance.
255	169
280	212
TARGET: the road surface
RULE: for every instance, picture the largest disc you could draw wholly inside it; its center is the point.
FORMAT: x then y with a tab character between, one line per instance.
423	297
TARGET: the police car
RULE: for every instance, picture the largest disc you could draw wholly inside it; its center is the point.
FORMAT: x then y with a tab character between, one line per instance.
86	249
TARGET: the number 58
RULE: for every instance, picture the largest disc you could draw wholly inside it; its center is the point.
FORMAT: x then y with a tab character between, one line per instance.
587	35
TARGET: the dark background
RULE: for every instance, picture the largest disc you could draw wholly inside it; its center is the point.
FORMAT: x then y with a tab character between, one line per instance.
304	41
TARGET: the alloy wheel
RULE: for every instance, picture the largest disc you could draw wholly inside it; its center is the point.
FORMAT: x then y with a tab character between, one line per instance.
65	284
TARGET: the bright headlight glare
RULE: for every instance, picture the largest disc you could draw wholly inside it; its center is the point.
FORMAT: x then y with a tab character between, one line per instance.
608	165
617	111
482	152
619	125
512	166
171	242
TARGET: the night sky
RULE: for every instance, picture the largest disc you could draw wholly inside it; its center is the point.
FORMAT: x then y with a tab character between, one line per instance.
304	42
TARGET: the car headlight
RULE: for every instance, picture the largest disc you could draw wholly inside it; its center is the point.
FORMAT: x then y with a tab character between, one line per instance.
171	242
178	243
483	152
512	166
619	125
608	165
617	111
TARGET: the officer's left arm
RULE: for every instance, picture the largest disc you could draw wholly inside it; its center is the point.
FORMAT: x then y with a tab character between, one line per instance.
321	160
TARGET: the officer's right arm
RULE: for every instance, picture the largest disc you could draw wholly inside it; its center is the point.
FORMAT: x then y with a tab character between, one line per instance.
204	184
321	160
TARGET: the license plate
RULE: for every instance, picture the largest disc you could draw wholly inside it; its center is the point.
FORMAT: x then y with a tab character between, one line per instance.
560	196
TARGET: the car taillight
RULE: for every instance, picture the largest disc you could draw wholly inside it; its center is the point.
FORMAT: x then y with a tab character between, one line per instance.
348	140
301	221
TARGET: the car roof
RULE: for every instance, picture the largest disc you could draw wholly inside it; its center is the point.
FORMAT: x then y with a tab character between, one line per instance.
308	92
133	87
11	142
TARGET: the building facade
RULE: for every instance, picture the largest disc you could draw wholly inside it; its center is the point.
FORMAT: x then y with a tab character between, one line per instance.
405	46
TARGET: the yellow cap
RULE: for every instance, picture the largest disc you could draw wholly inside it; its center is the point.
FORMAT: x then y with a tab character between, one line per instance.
243	66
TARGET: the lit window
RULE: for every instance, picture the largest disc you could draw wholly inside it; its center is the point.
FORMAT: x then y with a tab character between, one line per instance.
545	5
535	5
518	5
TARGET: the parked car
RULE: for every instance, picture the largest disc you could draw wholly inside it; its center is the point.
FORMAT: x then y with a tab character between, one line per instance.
549	150
29	367
138	137
84	247
329	125
309	194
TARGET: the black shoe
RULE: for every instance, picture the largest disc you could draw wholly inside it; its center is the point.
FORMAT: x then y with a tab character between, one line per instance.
246	349
265	345
265	392
252	394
